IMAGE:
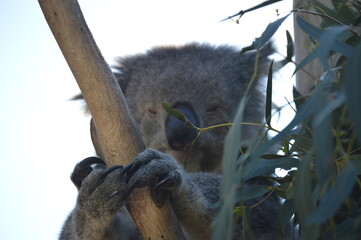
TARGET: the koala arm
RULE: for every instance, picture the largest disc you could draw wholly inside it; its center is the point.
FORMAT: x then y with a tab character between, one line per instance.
103	192
193	200
191	194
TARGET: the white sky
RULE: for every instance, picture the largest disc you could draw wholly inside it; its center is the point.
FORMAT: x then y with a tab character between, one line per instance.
42	134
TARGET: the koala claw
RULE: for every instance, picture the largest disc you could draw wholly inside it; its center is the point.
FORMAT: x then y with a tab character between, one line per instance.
83	169
111	169
160	191
169	181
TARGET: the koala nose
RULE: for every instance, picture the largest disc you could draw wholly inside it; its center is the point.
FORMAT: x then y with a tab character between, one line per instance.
179	136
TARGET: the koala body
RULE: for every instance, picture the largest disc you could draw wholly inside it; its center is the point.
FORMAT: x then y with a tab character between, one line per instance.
206	83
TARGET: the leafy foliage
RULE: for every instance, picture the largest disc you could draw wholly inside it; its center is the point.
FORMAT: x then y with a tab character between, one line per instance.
320	146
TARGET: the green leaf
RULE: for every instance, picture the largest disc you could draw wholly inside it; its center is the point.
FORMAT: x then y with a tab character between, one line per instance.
246	223
323	142
311	30
222	227
309	58
316	33
302	142
349	228
179	115
353	87
290	47
286	190
268	166
356	162
268	33
330	41
269	96
287	211
335	196
254	191
303	203
343	10
298	98
321	8
304	113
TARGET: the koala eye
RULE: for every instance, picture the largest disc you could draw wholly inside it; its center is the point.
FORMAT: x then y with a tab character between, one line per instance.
212	108
152	112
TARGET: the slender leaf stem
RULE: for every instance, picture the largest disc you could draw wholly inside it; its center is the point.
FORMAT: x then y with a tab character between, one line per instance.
242	123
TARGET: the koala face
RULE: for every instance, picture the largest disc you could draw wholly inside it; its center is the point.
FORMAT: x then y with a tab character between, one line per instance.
206	83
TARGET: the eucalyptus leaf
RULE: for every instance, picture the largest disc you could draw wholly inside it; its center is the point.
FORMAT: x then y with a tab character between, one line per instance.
298	99
334	197
323	9
330	40
311	30
222	227
287	211
268	166
309	58
316	33
304	113
323	142
353	88
356	162
246	223
349	228
344	10
269	32
304	205
286	190
251	192
269	96
290	47
179	115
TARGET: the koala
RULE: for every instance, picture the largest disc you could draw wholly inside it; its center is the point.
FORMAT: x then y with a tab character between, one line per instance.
205	83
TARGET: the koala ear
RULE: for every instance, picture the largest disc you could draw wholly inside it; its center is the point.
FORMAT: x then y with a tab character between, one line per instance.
118	76
77	97
120	79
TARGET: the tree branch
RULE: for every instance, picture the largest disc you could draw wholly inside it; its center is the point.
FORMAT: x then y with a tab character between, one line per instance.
117	134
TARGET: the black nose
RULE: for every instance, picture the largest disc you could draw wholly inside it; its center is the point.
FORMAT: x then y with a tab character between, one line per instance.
179	136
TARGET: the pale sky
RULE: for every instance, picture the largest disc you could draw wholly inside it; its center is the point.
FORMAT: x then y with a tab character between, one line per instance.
43	134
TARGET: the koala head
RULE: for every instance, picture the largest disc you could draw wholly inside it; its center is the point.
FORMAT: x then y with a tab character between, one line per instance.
206	83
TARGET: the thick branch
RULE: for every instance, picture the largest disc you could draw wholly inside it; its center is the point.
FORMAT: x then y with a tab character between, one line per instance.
116	132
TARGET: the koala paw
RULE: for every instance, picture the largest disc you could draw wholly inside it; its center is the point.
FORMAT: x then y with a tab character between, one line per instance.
157	170
102	191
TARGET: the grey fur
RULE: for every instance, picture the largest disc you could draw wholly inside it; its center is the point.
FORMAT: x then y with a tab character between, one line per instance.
210	81
203	75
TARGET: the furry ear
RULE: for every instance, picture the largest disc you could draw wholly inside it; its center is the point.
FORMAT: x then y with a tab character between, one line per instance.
120	73
77	97
120	79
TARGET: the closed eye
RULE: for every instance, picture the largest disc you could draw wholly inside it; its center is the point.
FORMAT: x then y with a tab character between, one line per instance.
152	113
212	109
